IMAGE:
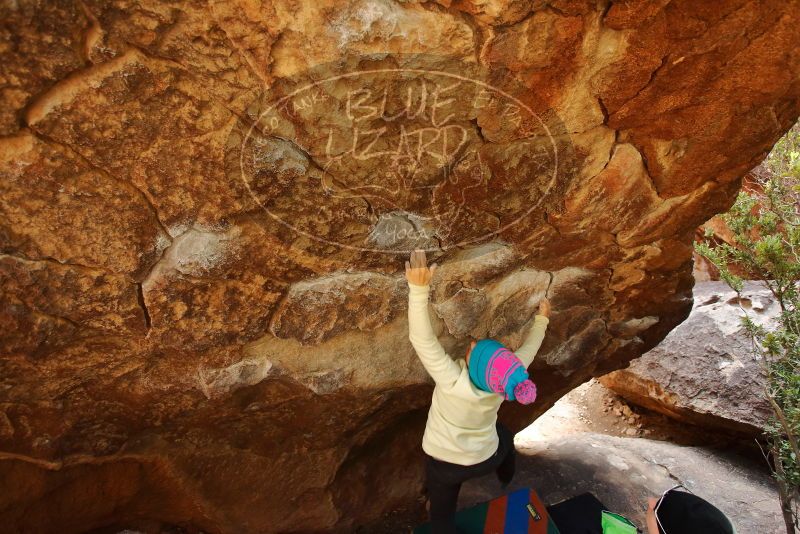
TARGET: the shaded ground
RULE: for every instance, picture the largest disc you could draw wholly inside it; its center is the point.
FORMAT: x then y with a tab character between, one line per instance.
591	440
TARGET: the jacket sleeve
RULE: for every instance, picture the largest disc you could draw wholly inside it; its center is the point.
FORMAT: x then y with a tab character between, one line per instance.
436	361
534	340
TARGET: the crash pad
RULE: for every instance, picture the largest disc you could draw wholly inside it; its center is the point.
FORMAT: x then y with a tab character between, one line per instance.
518	512
581	514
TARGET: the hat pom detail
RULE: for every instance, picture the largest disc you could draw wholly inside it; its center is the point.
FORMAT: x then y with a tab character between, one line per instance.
525	392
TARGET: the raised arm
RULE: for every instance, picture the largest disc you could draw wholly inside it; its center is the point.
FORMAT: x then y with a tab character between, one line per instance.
436	361
535	337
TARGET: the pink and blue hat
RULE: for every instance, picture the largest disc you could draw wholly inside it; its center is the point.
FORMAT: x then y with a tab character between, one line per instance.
494	368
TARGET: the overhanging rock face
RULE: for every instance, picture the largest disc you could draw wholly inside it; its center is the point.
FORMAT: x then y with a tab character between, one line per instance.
206	208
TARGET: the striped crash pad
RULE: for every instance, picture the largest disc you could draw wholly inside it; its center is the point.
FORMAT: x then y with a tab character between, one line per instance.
519	512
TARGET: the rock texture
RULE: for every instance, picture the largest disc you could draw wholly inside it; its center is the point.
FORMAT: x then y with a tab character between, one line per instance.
705	372
205	216
623	472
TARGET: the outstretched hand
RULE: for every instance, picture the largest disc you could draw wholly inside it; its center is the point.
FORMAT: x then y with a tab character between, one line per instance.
417	271
544	307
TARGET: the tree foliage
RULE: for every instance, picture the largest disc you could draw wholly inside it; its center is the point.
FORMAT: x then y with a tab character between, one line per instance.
765	223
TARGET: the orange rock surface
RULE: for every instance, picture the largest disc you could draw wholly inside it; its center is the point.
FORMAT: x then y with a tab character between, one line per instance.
206	206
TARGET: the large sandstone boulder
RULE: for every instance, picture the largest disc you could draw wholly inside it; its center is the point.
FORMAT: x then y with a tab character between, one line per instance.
206	207
705	371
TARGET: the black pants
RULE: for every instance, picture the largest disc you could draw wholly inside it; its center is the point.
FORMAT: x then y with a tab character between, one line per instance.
444	479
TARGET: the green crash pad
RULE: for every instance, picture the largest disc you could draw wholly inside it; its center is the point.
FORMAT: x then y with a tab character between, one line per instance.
519	512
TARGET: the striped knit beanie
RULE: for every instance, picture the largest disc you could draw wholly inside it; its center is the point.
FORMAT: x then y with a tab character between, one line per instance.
494	368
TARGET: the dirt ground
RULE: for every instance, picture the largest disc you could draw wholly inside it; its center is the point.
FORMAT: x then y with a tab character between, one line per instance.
590	408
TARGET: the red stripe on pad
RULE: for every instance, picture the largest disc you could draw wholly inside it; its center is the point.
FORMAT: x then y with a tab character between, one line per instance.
496	516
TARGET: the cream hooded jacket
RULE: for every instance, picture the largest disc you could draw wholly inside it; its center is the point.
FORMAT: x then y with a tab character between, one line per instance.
461	420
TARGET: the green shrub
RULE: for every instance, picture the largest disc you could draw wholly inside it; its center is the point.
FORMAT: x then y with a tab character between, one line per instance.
765	223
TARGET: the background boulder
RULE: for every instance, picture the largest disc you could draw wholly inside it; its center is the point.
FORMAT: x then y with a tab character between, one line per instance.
705	371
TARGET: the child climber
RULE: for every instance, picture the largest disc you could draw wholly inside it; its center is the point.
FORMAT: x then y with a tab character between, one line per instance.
463	438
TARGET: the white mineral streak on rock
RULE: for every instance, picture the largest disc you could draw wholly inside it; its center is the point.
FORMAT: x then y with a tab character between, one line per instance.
195	252
631	327
217	382
377	18
279	155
